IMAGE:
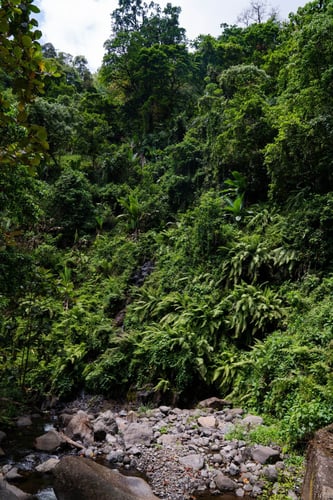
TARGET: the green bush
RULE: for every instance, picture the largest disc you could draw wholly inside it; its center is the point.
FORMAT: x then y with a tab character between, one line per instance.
289	374
70	206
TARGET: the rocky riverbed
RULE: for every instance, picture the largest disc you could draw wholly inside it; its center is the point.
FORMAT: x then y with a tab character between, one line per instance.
182	453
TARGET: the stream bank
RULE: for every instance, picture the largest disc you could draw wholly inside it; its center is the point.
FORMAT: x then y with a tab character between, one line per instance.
182	453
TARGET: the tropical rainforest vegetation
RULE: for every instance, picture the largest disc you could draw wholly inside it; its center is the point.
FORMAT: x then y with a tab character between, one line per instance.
167	223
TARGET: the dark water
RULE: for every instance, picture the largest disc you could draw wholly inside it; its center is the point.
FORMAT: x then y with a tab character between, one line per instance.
21	453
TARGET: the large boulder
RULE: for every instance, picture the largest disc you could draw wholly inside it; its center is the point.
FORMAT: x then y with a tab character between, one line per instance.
318	480
80	427
80	478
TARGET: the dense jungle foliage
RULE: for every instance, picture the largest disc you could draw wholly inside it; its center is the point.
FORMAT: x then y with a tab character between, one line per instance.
166	224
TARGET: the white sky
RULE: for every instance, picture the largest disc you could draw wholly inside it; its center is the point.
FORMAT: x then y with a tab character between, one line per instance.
80	27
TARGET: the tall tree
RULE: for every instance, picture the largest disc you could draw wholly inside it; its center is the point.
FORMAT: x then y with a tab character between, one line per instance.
300	158
147	64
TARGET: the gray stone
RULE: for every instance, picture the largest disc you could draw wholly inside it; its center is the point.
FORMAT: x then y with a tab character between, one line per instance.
13	474
217	458
138	433
232	413
134	450
270	473
264	454
165	409
251	421
233	469
292	495
115	456
257	490
48	465
215	403
240	492
79	478
224	483
280	465
80	427
238	458
110	439
109	421
206	430
209	421
49	441
194	461
226	427
169	439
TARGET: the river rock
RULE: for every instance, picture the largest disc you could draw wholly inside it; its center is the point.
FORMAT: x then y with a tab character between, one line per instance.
80	427
13	474
165	409
136	433
232	413
318	481
251	421
171	440
100	430
270	473
10	492
49	441
264	454
214	403
104	424
79	478
224	483
116	456
48	465
209	421
194	461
